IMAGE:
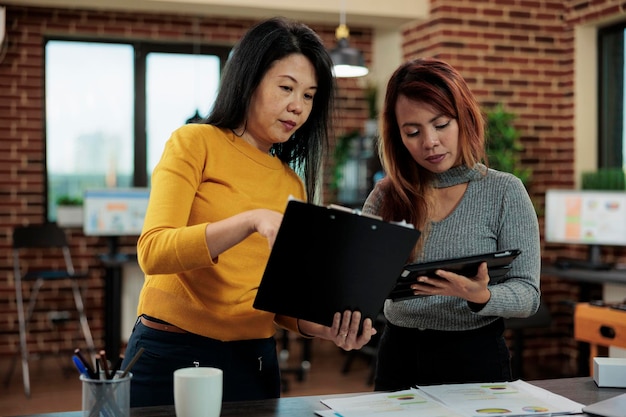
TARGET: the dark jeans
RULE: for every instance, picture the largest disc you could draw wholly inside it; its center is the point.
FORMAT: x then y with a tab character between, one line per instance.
250	367
410	357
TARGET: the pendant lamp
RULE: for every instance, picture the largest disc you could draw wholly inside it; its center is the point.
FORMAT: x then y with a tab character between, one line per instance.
347	61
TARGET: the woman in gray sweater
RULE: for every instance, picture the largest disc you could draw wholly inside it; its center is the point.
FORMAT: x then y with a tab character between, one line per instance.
433	151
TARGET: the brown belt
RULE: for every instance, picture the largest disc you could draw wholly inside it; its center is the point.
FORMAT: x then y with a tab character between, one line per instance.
160	326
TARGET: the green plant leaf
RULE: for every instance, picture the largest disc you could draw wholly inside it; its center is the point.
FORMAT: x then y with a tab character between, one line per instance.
67	200
503	145
604	179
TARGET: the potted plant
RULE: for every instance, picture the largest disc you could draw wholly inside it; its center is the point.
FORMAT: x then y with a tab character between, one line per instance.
503	145
69	211
604	179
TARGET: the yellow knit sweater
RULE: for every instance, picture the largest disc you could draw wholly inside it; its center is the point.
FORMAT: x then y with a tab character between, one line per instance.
207	174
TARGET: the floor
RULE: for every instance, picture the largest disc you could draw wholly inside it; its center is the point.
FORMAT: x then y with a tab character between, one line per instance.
56	389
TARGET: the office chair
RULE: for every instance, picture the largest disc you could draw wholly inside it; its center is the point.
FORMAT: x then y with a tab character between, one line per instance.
46	238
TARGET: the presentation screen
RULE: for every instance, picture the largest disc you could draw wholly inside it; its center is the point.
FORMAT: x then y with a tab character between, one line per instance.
114	211
586	217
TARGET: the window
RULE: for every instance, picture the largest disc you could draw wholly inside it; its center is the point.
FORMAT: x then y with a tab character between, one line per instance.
89	124
612	144
175	91
110	107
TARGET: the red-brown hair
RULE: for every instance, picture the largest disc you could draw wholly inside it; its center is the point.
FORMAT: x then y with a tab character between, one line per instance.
408	186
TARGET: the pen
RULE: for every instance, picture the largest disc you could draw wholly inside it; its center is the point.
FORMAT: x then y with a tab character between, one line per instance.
92	374
105	364
81	367
116	366
132	362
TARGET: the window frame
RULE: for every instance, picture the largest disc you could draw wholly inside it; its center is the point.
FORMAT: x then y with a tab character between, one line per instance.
141	51
611	140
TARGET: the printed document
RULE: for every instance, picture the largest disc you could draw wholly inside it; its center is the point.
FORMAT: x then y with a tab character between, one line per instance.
505	399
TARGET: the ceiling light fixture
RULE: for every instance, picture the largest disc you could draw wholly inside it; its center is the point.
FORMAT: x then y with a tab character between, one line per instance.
347	61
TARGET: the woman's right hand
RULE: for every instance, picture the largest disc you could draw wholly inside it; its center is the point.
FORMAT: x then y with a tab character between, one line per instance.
224	234
267	222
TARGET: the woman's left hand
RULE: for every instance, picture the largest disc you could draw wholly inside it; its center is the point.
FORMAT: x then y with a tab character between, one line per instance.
344	331
472	289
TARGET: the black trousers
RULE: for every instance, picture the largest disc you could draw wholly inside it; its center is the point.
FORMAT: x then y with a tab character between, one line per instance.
251	370
409	357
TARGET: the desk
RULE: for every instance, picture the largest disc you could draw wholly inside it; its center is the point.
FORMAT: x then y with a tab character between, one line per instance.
582	390
614	276
585	278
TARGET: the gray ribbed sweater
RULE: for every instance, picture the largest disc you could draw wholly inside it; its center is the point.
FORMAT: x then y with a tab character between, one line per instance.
494	213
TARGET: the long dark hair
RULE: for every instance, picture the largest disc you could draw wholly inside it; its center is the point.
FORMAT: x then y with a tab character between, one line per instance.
263	44
428	80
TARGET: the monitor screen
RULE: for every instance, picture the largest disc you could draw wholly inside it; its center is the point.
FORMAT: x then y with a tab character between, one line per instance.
114	211
586	217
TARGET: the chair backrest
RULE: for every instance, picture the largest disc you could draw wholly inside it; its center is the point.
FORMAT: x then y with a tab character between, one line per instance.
46	235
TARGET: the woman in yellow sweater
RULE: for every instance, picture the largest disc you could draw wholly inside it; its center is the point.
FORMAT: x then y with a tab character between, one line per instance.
216	203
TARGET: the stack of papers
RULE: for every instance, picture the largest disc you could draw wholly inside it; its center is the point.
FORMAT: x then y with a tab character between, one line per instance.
516	398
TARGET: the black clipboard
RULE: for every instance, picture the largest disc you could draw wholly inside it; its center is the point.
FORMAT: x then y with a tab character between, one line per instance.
331	259
498	263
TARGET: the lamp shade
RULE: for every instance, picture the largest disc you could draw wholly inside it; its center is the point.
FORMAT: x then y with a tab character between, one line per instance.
347	61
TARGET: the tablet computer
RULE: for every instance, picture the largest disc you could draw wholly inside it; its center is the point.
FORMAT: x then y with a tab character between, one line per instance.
331	259
498	263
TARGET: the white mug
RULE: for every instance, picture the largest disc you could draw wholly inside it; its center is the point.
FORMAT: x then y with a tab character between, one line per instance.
198	392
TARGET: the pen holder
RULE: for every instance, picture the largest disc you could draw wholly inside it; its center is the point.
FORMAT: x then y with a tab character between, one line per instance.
106	397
